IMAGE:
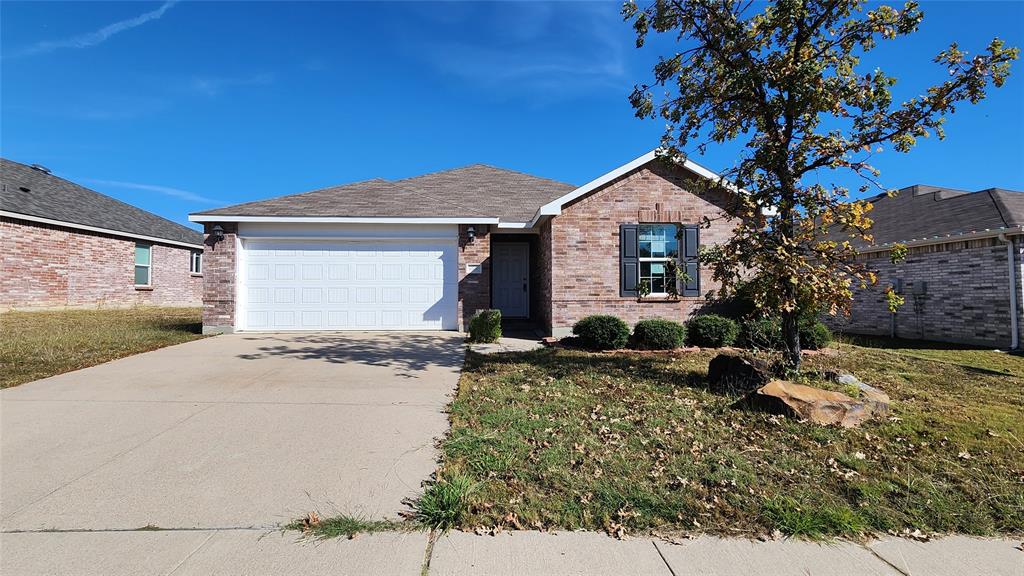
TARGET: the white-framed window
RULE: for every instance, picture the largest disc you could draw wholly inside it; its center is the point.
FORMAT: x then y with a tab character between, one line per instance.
195	262
657	245
143	264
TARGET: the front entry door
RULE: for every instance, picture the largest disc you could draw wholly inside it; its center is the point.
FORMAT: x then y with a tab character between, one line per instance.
511	281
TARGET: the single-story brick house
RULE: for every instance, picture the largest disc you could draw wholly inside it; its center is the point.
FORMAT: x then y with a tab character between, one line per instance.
427	252
64	245
962	278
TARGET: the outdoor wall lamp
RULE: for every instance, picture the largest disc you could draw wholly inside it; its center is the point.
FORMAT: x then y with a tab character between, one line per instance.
470	233
217	232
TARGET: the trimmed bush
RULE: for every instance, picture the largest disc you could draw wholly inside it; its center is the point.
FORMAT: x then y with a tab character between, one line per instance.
485	326
601	332
763	333
711	331
815	336
658	334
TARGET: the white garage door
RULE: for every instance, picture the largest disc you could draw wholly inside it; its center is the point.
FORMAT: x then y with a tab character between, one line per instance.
348	285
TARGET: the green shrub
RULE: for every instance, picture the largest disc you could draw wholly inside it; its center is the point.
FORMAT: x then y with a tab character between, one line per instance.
485	326
658	334
815	336
711	331
602	332
444	502
763	333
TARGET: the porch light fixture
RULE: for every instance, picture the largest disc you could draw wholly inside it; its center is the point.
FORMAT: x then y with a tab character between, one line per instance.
218	232
471	233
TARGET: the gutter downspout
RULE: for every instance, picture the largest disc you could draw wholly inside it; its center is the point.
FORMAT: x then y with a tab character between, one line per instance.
1012	271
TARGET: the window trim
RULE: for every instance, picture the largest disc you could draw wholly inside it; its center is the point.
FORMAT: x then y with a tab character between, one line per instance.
149	266
641	259
195	262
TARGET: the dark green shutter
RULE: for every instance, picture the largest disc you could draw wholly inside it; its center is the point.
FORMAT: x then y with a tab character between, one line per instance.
629	264
691	265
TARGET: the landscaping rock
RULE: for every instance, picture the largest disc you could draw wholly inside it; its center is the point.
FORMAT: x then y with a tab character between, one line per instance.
731	372
819	406
876	401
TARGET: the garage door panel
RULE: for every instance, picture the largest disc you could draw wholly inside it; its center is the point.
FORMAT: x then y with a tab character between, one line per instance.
339	285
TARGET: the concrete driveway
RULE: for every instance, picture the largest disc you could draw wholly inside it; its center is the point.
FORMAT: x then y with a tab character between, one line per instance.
237	431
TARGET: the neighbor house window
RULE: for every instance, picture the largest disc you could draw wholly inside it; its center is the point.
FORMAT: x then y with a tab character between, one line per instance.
143	264
656	246
195	262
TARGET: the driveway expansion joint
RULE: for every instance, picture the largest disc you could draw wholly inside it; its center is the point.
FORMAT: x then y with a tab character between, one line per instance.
885	560
663	559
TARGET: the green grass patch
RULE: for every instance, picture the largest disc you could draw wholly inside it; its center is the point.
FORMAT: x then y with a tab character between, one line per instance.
566	439
962	355
36	345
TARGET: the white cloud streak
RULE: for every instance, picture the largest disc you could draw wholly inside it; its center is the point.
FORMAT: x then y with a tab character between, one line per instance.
165	190
98	36
214	86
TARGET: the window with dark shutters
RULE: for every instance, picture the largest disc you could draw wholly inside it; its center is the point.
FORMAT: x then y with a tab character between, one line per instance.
629	270
629	260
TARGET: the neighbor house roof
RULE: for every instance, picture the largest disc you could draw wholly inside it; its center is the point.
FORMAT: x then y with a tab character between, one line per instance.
36	195
924	213
476	192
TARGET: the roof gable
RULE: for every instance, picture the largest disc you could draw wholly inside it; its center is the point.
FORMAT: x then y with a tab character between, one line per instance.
40	195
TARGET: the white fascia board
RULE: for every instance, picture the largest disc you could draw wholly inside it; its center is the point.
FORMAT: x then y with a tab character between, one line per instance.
961	237
515	225
554	207
65	224
340	219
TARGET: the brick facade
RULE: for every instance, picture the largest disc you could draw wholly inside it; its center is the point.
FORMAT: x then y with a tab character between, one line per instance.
965	299
474	289
584	239
46	266
219	271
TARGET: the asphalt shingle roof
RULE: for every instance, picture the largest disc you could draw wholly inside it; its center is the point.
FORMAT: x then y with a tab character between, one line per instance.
26	190
476	190
923	212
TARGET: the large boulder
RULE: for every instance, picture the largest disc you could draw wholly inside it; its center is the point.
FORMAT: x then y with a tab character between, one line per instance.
816	405
734	373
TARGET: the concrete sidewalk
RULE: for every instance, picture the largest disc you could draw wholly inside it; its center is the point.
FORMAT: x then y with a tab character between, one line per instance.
255	552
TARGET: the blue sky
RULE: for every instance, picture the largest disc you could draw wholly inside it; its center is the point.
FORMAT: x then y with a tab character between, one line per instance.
180	107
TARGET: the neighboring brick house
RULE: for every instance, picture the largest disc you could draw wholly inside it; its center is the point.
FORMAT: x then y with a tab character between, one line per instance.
64	245
961	279
428	252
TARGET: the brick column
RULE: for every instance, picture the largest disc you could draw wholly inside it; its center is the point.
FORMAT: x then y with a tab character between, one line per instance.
219	279
474	289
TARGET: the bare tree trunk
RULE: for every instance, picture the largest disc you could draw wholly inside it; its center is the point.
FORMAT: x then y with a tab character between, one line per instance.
791	333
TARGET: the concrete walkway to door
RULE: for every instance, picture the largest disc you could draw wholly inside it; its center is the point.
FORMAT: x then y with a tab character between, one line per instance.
236	431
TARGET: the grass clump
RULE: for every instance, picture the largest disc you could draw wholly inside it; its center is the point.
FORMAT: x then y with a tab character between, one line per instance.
812	521
344	525
485	326
658	334
601	332
444	502
712	331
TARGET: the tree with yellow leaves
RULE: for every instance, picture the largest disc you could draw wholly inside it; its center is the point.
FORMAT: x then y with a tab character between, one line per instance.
785	80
